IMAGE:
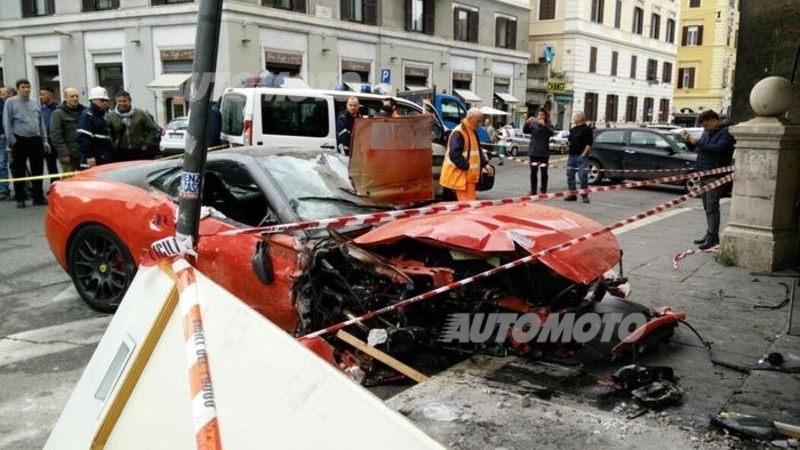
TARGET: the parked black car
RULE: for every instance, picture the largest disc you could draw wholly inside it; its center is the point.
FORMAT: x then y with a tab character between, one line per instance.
646	151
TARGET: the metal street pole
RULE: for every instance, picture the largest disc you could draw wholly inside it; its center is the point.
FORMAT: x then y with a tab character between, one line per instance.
209	17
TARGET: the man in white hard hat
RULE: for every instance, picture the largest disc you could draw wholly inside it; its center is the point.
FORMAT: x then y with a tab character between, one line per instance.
94	135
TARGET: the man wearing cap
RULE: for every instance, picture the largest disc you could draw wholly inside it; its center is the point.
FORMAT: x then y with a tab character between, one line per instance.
27	138
94	135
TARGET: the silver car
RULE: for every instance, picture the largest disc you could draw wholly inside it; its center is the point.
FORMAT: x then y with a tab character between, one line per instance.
558	142
514	140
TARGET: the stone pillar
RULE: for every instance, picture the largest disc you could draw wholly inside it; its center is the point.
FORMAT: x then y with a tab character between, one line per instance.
762	233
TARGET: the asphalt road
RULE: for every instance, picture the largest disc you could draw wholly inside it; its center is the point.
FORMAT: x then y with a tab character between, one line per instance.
47	334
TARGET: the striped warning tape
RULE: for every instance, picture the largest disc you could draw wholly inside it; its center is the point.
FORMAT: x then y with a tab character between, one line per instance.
388	216
555	166
681	255
204	407
521	261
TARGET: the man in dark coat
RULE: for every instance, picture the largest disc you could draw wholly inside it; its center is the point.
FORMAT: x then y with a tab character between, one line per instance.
94	134
344	125
714	149
64	130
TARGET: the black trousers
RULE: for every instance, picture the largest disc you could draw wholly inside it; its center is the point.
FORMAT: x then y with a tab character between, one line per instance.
27	149
51	160
543	161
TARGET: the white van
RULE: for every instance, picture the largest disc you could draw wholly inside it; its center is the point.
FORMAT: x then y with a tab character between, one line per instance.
276	117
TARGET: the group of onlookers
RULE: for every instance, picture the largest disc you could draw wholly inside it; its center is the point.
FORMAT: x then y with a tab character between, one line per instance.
35	134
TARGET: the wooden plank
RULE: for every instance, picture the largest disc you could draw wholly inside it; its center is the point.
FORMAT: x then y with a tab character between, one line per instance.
381	356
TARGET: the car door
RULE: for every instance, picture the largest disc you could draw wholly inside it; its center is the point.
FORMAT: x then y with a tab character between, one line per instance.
648	153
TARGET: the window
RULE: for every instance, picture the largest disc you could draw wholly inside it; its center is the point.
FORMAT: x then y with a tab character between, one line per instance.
670	32
597	11
633	66
618	15
505	32
547	9
663	110
612	103
631	105
694	3
613	137
593	60
614	63
465	24
99	5
590	106
35	8
452	111
666	73
168	2
652	70
286	64
291	5
307	117
638	18
110	77
686	78
648	109
655	26
420	16
232	110
362	11
692	36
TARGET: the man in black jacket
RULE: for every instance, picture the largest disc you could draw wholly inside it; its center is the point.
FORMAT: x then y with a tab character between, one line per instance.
344	125
714	149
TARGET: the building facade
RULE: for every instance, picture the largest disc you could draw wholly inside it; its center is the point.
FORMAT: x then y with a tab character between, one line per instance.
475	48
706	57
612	59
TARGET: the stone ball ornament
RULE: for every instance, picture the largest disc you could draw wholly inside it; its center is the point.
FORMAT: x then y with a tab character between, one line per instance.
772	96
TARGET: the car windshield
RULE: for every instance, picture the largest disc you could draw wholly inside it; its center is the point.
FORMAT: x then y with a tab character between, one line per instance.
177	124
316	185
678	140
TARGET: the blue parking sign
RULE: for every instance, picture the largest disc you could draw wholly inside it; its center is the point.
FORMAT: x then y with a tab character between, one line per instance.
386	76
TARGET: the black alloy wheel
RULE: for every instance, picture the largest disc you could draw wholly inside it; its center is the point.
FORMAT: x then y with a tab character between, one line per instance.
595	171
691	184
101	267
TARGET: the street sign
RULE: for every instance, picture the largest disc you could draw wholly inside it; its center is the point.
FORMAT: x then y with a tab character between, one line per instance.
386	76
563	98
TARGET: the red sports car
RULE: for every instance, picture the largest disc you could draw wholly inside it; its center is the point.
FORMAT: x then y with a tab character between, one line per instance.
100	225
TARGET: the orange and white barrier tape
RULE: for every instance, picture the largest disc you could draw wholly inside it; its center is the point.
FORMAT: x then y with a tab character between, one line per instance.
681	255
388	216
518	262
554	166
204	407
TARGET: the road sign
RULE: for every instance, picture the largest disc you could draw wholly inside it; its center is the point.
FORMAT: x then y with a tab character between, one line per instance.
386	76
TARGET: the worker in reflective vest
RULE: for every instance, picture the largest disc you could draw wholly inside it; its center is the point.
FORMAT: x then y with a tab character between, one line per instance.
463	161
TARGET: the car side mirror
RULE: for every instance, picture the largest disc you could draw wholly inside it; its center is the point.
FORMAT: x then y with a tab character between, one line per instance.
262	263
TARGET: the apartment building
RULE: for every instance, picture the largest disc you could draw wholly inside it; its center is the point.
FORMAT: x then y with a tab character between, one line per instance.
612	59
706	57
473	48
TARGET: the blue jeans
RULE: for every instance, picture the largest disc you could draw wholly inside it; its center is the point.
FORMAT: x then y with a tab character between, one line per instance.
4	185
577	163
711	206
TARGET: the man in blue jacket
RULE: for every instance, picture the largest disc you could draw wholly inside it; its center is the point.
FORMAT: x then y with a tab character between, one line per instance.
714	149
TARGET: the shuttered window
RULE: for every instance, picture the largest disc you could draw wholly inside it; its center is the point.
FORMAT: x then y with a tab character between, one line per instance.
36	8
291	5
465	24
505	35
99	5
363	11
593	60
686	78
420	16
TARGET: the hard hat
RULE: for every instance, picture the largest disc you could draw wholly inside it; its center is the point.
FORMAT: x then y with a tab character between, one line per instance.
98	93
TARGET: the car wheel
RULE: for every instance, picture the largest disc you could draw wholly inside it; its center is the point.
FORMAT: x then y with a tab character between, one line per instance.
691	184
595	170
101	267
514	151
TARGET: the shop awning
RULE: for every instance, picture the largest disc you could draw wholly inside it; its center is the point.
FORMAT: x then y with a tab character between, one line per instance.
467	95
506	98
488	110
169	81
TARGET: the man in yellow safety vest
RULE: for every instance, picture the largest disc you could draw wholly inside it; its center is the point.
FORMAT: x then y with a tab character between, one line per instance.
464	160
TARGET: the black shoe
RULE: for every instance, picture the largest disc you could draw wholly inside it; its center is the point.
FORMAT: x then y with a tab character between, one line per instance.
585	199
700	241
571	198
709	243
20	204
40	202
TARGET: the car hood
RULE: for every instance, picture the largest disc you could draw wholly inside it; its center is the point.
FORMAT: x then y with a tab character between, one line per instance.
504	229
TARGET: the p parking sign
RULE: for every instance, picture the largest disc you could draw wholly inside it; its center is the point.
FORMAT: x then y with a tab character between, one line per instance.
386	76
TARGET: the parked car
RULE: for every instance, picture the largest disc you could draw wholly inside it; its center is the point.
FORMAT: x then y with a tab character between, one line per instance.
558	142
101	222
696	132
173	137
517	143
640	150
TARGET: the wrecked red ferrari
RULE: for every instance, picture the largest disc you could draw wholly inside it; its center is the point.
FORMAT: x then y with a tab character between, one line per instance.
101	223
